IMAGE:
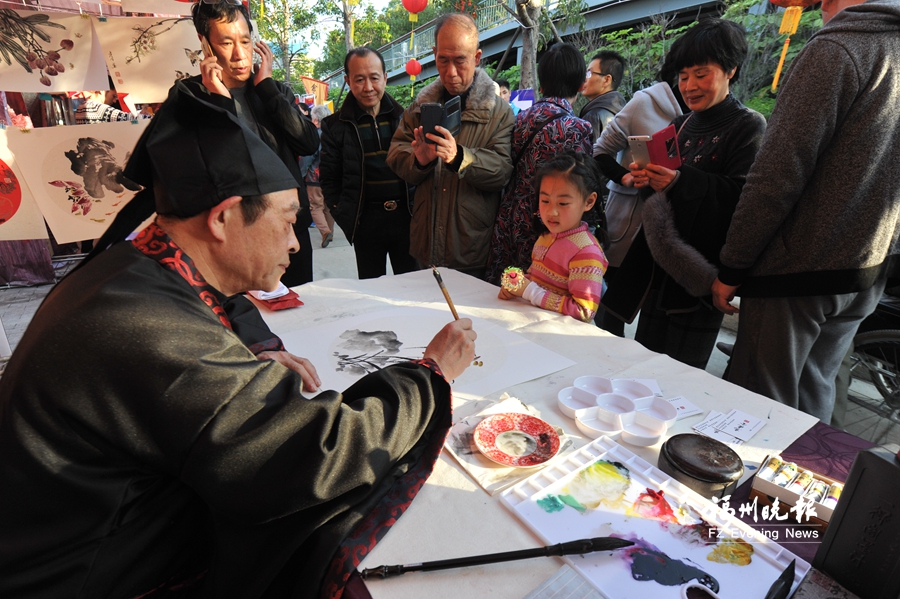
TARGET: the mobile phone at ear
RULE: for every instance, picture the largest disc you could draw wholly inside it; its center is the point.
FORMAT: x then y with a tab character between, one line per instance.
432	116
206	48
451	120
254	38
640	154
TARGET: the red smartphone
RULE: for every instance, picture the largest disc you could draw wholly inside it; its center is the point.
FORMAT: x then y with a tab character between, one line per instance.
661	148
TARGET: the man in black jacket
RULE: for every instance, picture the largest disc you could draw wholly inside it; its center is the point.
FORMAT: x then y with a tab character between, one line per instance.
604	75
367	199
229	80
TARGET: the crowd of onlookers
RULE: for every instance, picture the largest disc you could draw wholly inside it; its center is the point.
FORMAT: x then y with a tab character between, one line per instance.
746	208
178	456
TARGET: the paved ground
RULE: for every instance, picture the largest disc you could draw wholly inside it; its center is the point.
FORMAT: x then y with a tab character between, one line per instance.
18	305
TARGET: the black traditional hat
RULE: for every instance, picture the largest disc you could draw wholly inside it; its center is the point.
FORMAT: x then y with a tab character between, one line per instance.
203	155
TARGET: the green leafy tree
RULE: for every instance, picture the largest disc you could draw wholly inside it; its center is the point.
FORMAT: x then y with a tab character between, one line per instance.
280	23
333	54
645	46
540	27
764	48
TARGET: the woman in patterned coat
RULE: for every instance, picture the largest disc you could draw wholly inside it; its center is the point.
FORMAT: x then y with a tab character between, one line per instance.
547	129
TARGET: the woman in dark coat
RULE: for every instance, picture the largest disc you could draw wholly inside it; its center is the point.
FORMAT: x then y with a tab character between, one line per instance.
669	269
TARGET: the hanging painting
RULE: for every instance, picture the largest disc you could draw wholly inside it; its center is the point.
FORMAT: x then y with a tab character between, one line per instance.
346	349
75	174
158	7
146	56
20	217
48	52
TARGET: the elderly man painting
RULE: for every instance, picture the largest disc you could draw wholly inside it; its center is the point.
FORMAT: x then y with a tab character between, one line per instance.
458	180
148	452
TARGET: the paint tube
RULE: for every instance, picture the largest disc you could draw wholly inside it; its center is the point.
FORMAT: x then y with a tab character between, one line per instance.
834	493
801	482
786	473
817	491
770	469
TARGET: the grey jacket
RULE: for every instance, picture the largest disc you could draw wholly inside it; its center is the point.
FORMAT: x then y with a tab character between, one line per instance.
820	211
648	111
454	212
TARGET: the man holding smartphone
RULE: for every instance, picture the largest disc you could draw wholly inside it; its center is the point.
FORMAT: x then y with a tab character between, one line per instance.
230	80
459	179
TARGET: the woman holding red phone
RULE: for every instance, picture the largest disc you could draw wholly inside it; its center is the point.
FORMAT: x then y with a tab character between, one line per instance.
668	271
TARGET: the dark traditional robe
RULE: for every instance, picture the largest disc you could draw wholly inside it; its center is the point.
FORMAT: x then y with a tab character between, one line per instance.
143	444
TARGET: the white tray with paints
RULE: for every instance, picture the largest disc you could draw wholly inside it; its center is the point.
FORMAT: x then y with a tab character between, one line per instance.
617	408
681	539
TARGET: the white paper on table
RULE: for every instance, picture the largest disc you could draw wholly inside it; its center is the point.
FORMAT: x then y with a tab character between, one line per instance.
740	424
707	427
493	477
344	350
566	583
684	407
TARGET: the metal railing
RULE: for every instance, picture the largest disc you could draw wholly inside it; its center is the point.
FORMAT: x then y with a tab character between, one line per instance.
489	14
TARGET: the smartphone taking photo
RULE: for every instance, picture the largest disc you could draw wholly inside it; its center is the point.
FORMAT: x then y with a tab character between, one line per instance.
447	116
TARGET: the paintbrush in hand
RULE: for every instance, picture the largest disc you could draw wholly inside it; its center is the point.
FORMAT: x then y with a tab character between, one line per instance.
440	281
580	547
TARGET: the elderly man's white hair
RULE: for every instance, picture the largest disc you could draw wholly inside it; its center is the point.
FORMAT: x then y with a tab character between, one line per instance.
319	112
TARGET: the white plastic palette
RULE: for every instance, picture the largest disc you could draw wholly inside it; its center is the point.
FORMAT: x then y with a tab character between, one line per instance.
609	572
617	409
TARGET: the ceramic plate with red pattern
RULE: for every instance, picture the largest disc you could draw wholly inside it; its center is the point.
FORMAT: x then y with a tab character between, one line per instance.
517	440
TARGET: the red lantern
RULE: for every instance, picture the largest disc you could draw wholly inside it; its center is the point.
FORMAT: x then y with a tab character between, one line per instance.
414	7
413	68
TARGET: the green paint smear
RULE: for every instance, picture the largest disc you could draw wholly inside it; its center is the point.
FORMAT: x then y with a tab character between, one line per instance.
573	503
556	503
550	504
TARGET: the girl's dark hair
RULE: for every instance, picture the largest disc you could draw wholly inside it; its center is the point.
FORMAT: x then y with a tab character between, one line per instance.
579	168
561	71
710	40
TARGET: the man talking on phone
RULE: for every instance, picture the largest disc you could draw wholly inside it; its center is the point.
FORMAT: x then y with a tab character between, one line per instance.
230	79
458	179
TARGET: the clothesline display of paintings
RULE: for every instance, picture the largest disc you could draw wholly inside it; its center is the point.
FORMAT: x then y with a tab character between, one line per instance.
346	349
146	56
158	7
75	174
49	52
679	538
20	217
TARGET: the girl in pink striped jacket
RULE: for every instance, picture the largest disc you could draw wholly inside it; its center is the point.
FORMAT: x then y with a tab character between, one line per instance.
567	263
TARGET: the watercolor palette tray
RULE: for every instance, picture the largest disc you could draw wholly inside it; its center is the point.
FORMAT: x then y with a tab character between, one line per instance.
617	408
680	538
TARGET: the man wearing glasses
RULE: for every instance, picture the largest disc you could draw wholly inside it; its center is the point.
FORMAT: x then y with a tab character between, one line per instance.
231	79
604	75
